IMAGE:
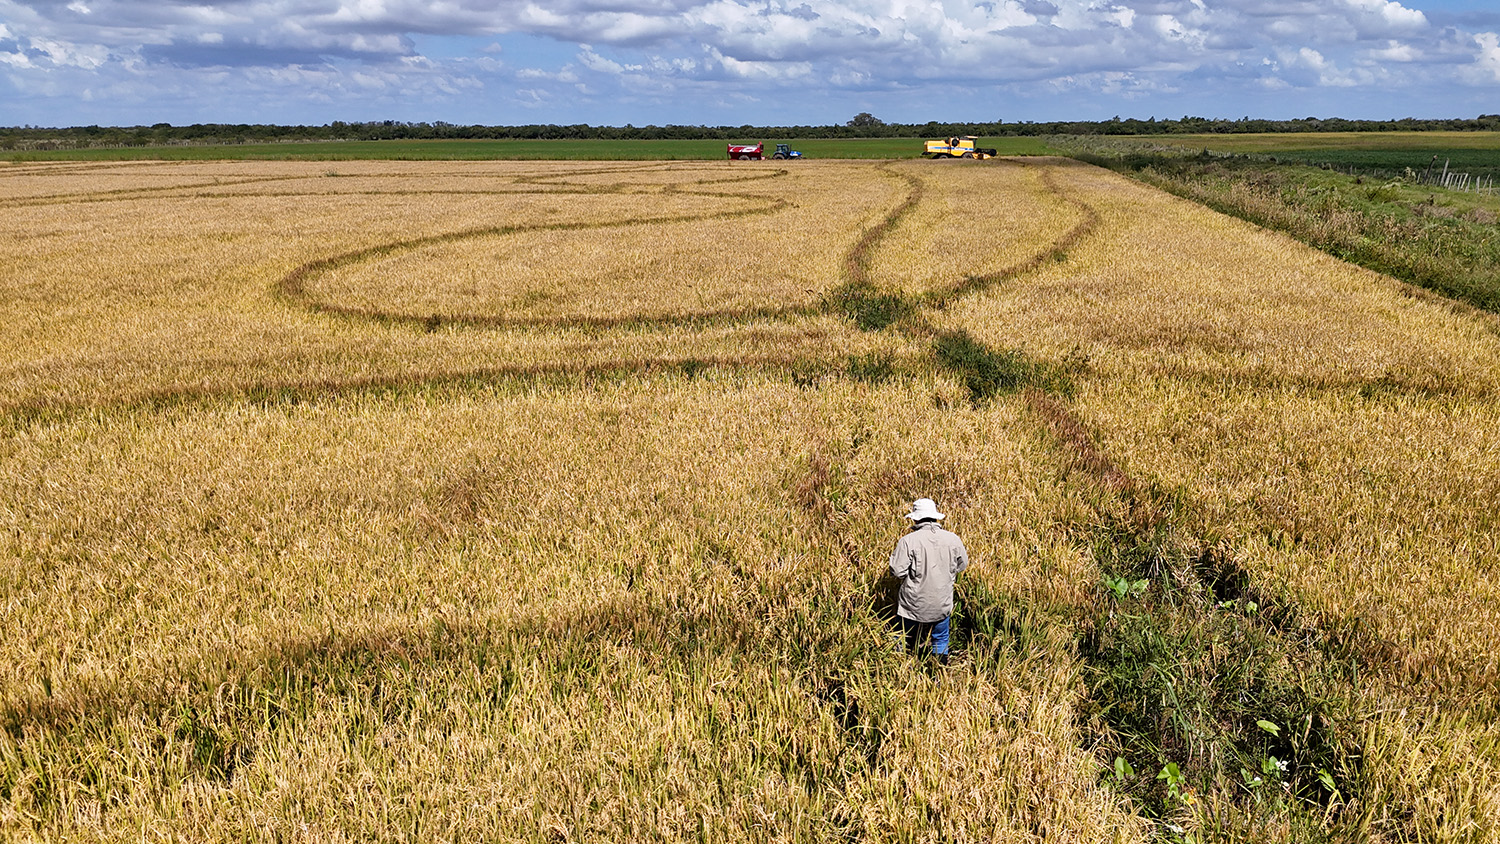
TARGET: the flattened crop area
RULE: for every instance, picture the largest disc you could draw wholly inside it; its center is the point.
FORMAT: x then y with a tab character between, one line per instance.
549	502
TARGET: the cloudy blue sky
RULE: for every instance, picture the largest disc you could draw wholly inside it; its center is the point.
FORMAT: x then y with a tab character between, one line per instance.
613	62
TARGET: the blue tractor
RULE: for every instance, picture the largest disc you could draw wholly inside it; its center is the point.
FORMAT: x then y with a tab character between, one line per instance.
786	151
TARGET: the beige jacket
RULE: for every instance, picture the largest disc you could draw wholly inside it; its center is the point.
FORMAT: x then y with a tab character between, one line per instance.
926	561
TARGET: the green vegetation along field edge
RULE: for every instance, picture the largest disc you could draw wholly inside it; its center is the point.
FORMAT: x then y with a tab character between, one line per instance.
1366	152
518	149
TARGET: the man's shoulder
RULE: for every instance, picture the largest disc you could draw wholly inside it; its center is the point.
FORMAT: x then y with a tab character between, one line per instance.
937	533
950	537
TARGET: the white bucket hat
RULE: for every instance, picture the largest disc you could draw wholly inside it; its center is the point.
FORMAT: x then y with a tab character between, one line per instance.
923	508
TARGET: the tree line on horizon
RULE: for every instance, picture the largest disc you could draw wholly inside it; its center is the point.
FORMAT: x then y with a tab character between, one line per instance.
863	125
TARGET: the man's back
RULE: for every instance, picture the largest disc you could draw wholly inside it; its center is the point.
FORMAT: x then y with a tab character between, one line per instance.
927	560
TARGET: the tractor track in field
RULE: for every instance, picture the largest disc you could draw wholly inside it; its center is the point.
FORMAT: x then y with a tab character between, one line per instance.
295	285
857	260
293	288
1055	251
311	390
130	194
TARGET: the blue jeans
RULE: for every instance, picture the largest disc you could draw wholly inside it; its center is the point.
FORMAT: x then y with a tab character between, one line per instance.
918	631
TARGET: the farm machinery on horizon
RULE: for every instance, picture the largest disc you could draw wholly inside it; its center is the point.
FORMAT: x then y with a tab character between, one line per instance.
746	152
956	147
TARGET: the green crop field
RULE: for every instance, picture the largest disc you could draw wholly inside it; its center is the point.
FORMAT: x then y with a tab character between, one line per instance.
1469	152
530	150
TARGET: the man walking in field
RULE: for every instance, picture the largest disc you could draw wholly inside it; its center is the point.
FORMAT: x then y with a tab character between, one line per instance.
926	562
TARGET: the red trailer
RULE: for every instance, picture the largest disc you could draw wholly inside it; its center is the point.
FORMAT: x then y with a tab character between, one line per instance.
745	152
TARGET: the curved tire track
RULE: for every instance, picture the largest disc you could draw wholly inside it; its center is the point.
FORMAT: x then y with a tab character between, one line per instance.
294	288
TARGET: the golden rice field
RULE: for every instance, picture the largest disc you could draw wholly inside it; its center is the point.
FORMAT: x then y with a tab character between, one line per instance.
548	502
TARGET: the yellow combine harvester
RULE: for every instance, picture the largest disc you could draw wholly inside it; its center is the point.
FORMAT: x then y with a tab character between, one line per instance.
956	148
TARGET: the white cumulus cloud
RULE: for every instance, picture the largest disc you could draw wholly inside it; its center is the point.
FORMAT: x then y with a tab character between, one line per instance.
1388	15
787	52
1396	52
1487	61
